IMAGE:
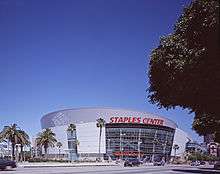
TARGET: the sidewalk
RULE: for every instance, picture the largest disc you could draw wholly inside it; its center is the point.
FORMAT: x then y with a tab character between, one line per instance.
57	164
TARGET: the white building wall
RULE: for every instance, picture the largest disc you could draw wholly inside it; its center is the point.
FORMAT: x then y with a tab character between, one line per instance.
87	135
5	149
61	136
180	138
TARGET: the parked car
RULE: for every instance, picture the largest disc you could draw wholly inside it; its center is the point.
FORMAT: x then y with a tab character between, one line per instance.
211	162
159	163
195	163
217	165
117	161
202	162
132	162
7	163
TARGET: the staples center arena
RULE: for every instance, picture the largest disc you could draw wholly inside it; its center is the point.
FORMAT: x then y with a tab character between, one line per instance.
126	134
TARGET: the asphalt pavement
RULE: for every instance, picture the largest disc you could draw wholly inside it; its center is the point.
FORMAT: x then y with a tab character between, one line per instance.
111	170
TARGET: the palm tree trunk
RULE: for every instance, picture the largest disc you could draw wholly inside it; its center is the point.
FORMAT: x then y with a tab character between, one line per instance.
45	151
17	153
22	153
8	148
100	134
13	151
59	154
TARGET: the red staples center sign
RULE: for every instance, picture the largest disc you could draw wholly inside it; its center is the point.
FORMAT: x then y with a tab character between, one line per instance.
145	120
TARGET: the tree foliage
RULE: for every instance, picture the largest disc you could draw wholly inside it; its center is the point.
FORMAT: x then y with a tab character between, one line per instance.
100	122
15	136
59	145
175	147
198	156
185	67
71	127
46	139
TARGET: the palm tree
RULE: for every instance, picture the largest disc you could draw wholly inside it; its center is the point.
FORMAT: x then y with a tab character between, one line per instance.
71	127
59	145
46	139
14	135
23	141
100	124
175	147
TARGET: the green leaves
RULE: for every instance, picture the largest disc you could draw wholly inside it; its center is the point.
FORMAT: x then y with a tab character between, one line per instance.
71	127
14	135
176	147
185	67
59	144
100	122
46	139
194	156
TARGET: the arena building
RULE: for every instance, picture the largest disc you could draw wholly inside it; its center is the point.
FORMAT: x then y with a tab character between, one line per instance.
127	133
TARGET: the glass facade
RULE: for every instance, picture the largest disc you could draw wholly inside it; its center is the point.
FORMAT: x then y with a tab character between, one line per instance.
138	141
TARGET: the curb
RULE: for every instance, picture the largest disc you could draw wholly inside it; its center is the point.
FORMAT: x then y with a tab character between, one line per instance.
87	165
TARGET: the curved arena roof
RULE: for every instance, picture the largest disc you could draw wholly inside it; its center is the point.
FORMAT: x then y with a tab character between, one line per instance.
85	115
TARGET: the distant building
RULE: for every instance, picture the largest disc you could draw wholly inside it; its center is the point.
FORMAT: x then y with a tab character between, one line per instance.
212	147
5	150
193	146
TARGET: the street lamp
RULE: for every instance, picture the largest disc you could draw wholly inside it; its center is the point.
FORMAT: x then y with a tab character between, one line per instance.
108	147
109	144
139	151
121	148
154	141
139	143
164	146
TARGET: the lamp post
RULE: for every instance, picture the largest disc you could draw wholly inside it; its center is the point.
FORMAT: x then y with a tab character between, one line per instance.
122	153
108	147
154	141
121	148
164	149
139	143
164	146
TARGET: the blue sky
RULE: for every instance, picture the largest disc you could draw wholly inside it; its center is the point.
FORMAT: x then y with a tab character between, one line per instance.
78	53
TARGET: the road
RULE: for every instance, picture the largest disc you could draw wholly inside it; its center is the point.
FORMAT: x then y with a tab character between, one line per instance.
110	170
